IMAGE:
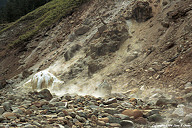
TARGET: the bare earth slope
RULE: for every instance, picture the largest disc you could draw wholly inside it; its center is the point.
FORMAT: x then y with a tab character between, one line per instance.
141	48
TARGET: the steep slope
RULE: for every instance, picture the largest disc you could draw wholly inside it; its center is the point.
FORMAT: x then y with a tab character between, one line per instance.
140	48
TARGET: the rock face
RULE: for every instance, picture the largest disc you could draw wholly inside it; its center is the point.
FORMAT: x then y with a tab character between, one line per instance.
141	11
82	30
110	40
71	52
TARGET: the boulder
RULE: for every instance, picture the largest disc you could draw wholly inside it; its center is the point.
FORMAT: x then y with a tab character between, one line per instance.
141	11
45	94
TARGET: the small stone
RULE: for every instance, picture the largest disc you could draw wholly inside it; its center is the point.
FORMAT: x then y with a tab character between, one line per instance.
188	97
1	110
82	30
1	118
174	122
105	119
162	101
188	118
135	113
122	116
94	118
115	125
30	126
188	85
7	106
127	124
9	115
141	120
111	111
155	118
113	119
18	111
110	101
154	111
101	123
179	111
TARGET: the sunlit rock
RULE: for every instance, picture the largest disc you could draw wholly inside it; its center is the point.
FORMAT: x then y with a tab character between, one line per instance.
44	79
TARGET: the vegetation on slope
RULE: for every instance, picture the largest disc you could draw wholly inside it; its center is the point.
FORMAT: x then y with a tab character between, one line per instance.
42	17
14	9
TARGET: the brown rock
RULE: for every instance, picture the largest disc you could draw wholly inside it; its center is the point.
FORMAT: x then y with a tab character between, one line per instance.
40	103
106	120
140	120
45	93
115	125
101	123
135	113
94	118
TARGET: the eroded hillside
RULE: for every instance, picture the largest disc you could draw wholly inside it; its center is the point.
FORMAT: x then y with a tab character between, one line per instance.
140	48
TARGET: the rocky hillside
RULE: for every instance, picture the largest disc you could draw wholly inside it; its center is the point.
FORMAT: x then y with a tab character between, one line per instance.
114	63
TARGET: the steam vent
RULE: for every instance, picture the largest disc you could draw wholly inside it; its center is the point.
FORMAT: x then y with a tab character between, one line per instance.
96	64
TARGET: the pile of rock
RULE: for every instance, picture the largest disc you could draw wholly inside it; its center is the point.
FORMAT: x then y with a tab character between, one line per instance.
42	109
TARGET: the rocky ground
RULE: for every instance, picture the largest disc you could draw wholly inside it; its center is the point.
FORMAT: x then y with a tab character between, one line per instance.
120	110
140	48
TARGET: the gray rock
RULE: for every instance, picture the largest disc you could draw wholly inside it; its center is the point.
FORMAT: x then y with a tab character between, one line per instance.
102	28
155	118
54	100
30	126
111	111
179	110
1	118
1	110
162	101
81	119
2	84
71	37
110	101
188	85
142	11
7	106
174	122
188	118
122	116
82	30
71	51
113	119
82	113
127	124
188	97
152	112
18	111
